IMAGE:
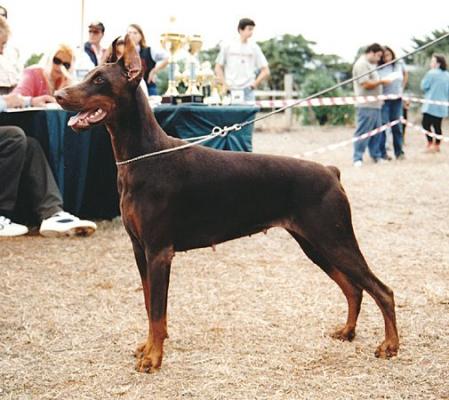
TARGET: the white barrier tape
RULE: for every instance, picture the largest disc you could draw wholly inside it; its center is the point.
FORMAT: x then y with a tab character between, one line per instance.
339	101
418	100
421	129
349	141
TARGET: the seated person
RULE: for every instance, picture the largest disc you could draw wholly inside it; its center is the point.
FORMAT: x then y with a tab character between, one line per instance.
10	64
53	72
23	164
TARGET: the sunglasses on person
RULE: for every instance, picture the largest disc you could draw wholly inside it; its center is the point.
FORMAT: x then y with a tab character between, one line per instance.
58	61
95	32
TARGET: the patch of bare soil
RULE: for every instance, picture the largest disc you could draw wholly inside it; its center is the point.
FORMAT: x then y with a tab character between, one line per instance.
251	320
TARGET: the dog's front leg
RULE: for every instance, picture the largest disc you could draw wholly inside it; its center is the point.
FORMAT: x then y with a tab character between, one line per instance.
155	282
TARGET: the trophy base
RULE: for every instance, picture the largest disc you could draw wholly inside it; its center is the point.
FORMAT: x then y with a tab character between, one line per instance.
192	98
171	100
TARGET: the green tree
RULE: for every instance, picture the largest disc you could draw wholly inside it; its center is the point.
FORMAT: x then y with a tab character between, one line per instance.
422	58
335	115
34	59
420	61
210	55
288	54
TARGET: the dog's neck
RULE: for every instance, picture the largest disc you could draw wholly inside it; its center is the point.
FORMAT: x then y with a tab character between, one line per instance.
134	130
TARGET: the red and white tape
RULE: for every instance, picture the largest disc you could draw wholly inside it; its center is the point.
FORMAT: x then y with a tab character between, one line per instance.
339	101
366	135
335	146
421	129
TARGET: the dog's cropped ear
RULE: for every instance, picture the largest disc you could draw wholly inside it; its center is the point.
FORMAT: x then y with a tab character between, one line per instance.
131	61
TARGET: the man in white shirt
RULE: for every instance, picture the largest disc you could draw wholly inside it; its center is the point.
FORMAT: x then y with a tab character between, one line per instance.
241	64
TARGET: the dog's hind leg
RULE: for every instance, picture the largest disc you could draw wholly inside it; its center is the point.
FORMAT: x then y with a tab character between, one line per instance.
352	293
155	273
348	260
328	228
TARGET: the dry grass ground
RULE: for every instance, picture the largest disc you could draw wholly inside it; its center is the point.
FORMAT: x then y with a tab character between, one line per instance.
249	321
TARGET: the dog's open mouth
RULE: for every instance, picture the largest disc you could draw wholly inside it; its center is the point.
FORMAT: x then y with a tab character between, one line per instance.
85	119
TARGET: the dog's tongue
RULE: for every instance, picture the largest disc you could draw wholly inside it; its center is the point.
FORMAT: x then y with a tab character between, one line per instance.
84	120
79	121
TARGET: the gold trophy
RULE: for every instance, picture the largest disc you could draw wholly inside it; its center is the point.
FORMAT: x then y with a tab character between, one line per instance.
172	41
192	94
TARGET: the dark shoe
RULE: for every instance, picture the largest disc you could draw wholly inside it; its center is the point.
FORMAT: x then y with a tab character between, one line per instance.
400	157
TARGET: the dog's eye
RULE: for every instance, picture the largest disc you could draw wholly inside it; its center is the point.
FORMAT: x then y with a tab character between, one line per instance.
98	80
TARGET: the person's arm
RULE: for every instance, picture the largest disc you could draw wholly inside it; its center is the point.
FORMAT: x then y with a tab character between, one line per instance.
405	78
263	74
159	66
368	85
12	100
219	72
25	87
425	83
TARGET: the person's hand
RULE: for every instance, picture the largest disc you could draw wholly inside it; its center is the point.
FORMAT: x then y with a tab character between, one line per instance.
152	76
253	86
14	100
40	101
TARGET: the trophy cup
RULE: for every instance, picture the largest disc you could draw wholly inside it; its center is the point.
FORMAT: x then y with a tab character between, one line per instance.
207	79
192	94
172	42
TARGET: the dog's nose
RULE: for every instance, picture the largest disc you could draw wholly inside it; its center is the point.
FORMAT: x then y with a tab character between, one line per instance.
60	95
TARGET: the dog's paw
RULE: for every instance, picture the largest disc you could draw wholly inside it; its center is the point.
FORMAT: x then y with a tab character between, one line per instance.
140	350
148	364
387	349
344	334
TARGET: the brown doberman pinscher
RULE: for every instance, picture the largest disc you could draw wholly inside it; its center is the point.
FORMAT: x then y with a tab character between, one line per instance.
198	197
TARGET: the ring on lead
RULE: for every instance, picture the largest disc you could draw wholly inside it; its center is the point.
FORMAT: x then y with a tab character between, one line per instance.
217	131
224	131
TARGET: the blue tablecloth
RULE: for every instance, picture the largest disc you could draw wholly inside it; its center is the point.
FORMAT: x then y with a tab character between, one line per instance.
83	164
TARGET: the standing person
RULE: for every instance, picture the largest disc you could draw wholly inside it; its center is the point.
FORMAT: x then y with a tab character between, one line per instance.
369	114
93	47
392	109
237	63
10	65
25	173
153	60
435	86
53	72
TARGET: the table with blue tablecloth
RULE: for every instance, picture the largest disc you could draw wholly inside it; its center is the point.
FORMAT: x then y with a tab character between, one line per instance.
83	163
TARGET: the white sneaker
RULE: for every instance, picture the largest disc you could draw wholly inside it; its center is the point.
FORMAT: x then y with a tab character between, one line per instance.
10	229
65	224
358	163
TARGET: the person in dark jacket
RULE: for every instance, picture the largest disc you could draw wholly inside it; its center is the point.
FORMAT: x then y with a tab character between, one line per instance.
152	60
93	46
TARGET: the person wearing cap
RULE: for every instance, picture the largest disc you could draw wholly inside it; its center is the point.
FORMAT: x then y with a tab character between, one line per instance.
93	46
